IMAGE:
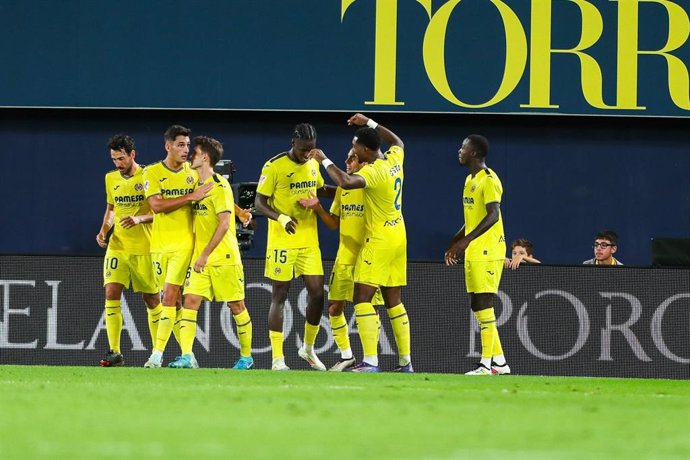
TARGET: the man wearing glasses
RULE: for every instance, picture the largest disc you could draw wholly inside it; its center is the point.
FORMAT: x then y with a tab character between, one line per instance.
605	245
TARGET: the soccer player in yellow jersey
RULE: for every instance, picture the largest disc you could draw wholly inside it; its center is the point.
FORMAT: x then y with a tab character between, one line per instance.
169	187
482	240
127	258
382	260
216	264
293	241
347	215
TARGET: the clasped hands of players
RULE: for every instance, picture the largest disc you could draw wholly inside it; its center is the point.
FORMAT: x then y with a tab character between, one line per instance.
452	254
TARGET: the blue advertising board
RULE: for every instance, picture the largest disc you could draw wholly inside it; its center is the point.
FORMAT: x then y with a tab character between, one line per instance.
583	57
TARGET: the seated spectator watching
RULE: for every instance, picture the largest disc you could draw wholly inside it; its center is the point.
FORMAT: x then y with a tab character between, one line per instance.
605	246
522	252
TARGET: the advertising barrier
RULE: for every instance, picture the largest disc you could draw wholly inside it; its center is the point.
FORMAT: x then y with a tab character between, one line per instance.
559	321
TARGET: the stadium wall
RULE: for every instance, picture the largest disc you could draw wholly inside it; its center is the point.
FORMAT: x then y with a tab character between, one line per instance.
559	321
564	178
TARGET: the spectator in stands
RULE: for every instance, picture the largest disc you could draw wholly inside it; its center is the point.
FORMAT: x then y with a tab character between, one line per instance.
605	246
522	252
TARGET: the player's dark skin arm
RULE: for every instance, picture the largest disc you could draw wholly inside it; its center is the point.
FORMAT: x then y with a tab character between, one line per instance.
456	247
340	177
261	204
327	191
389	137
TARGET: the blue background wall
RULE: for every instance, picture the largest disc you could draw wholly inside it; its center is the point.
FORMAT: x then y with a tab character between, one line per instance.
564	177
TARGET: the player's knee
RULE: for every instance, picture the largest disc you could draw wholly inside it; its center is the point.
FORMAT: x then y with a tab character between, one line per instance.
236	307
113	291
336	308
151	300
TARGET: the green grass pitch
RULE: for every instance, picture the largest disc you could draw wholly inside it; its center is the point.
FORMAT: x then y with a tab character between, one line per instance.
96	413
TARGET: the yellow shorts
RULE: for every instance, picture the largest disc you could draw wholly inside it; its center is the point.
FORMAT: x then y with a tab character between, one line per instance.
378	266
171	267
483	277
121	267
342	284
285	264
224	283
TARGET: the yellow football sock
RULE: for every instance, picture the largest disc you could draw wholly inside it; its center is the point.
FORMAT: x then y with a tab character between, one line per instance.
243	323
487	329
401	331
113	323
176	326
368	326
497	349
340	333
154	316
165	327
310	332
276	344
187	330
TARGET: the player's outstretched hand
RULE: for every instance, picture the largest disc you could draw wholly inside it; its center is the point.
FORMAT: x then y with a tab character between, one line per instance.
357	120
316	154
129	221
201	192
245	216
310	203
102	240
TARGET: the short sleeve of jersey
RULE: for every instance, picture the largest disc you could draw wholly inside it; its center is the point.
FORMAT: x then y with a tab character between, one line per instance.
492	191
319	178
151	184
221	200
397	152
370	175
335	207
108	195
267	181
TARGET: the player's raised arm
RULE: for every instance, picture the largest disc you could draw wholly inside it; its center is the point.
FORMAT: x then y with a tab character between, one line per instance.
340	177
387	136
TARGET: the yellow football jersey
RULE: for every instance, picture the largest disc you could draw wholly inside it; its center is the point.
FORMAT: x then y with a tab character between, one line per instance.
480	190
206	221
348	205
285	182
126	195
383	217
172	231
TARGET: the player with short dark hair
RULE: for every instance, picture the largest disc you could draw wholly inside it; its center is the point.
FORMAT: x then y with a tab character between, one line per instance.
482	241
347	215
217	272
170	191
382	260
128	258
292	248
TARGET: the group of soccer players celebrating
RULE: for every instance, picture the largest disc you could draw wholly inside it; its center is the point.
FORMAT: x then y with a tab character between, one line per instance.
174	231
